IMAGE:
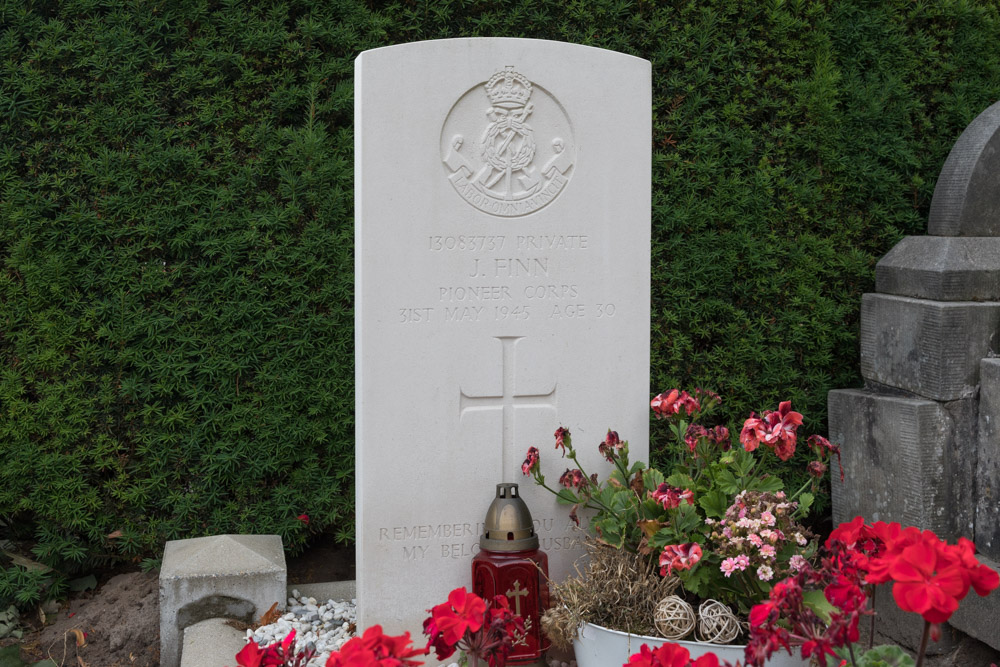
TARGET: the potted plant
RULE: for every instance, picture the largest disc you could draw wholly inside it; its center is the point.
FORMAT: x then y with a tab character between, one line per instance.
714	531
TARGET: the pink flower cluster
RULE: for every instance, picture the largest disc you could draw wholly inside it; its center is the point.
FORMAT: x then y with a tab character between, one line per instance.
755	535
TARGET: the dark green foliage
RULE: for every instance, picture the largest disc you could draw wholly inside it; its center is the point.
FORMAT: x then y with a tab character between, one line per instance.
176	229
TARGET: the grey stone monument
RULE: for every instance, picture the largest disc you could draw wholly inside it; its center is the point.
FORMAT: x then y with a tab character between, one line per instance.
921	440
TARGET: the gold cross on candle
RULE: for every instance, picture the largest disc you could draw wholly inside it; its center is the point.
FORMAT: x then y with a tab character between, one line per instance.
517	594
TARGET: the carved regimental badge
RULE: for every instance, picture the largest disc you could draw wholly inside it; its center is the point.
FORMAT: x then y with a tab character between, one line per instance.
507	146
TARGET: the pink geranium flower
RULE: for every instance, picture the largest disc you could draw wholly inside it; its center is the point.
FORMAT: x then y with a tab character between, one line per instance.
530	461
774	429
679	557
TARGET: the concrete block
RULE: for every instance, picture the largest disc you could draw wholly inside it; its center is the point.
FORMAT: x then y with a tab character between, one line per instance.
979	617
213	642
967	195
327	590
988	464
228	576
905	459
942	268
929	348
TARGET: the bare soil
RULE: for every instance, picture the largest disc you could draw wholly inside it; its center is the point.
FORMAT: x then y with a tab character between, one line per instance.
120	619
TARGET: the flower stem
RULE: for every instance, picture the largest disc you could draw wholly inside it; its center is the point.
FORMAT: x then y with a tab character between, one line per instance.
850	650
799	492
923	643
871	625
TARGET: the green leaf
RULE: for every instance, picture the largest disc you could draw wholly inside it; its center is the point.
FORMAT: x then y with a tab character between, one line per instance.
728	483
715	503
27	563
816	601
11	657
566	497
680	480
881	656
805	502
651	478
768	484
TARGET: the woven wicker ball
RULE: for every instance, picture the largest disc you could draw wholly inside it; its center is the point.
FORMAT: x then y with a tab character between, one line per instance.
674	617
717	623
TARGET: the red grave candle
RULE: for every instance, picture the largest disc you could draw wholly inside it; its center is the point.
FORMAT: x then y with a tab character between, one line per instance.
509	563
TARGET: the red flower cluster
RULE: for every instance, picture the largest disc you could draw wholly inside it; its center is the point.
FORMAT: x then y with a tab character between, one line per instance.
929	577
278	654
672	655
530	461
774	429
673	402
482	630
672	496
679	557
374	649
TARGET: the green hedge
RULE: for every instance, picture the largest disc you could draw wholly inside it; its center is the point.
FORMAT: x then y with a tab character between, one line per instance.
176	229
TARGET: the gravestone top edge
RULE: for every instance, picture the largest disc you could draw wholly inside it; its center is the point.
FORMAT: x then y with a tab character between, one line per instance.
966	200
499	42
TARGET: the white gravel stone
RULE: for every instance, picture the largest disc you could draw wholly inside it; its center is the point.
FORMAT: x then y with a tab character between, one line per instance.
327	626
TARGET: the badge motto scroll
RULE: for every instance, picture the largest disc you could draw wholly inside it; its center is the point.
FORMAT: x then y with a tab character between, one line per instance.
520	159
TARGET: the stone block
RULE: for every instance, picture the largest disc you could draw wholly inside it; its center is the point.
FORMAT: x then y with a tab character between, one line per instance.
213	642
905	459
979	617
942	268
221	576
988	463
967	195
929	348
895	626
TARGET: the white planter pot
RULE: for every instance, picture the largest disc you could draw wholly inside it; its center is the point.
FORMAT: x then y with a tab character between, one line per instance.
596	646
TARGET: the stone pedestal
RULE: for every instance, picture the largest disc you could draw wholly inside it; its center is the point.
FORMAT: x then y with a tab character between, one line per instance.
222	576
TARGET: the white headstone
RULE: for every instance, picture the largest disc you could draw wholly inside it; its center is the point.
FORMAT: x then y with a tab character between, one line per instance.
502	203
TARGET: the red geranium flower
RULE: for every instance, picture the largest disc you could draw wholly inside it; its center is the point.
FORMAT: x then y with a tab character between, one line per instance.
670	655
375	649
463	611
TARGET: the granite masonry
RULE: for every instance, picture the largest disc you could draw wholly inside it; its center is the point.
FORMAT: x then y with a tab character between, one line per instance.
921	440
